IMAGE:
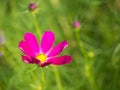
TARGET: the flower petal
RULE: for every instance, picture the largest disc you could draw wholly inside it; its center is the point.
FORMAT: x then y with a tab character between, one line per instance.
27	59
31	41
45	64
22	46
47	41
30	60
58	48
60	60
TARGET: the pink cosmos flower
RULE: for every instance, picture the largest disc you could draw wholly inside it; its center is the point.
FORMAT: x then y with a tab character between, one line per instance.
43	54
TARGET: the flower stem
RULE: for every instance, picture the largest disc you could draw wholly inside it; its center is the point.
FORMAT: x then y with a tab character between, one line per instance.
81	48
39	34
58	80
43	79
36	25
87	65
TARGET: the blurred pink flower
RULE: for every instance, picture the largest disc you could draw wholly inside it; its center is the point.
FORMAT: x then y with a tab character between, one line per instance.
43	54
32	6
76	24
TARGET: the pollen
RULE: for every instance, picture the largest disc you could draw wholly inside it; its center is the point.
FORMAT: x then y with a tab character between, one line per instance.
41	57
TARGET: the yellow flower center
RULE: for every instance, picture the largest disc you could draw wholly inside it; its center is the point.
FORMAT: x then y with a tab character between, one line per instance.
41	57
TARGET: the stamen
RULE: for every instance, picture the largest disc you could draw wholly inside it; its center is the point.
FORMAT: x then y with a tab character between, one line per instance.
41	57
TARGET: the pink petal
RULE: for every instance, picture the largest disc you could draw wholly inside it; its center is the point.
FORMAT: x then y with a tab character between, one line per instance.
60	60
45	64
27	59
30	60
58	48
47	41
22	46
31	41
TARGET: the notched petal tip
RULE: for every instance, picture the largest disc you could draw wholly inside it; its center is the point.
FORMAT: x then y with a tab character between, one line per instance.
28	33
21	45
26	59
24	48
65	43
58	48
48	31
66	59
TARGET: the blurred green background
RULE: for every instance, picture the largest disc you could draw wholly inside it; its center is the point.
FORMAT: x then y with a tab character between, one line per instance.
99	35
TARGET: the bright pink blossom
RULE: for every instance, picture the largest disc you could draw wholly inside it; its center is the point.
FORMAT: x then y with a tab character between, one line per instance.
43	54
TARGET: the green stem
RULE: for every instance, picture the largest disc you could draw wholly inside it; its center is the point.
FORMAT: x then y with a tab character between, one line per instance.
80	45
84	53
39	34
58	80
35	79
36	25
43	79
